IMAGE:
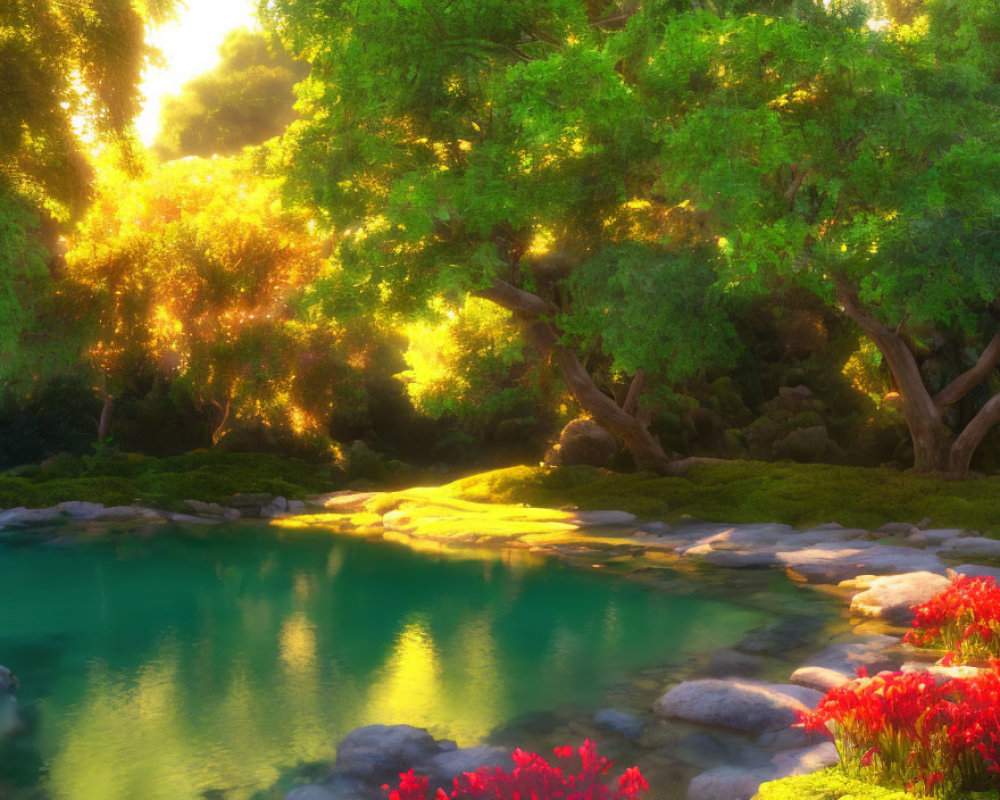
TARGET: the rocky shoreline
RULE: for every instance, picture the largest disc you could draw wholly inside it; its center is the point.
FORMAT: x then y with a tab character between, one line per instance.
879	575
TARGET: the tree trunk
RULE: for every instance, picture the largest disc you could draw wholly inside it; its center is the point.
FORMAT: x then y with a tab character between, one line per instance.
104	426
928	432
933	448
531	310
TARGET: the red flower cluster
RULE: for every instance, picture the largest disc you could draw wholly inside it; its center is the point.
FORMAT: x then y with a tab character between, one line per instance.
908	731
964	619
533	778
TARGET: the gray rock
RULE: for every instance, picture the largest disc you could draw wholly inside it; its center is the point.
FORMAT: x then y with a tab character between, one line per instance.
81	510
296	507
806	760
126	514
743	705
446	766
378	753
833	562
840	662
788	739
189	519
937	536
823	534
315	792
21	517
898	528
280	503
654	528
976	571
268	512
893	597
729	783
207	509
971	547
628	725
729	663
604	518
742	559
804	444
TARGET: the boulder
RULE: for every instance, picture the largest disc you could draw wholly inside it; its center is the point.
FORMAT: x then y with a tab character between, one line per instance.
744	705
584	442
190	519
446	766
729	663
806	760
976	571
628	725
21	517
804	444
898	529
379	753
893	597
833	562
729	783
839	662
936	537
971	547
280	503
296	507
81	510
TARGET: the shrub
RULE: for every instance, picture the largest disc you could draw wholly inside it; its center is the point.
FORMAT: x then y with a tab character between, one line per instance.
964	619
906	731
581	777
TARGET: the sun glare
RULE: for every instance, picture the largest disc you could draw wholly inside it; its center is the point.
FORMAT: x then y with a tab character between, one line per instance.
189	46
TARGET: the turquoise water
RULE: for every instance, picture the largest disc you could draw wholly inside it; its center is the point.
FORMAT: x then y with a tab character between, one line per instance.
187	666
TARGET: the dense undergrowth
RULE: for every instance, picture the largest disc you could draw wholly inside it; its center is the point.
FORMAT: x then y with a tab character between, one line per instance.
752	491
739	491
116	479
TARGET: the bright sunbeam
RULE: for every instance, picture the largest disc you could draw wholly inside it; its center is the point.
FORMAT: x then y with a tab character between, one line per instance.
190	46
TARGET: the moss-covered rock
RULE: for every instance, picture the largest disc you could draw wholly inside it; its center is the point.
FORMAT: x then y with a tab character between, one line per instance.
829	784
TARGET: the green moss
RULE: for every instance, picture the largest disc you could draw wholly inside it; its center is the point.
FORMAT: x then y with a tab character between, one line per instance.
120	479
826	785
750	491
832	784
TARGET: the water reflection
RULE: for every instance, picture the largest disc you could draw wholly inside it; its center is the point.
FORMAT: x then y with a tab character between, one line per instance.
179	667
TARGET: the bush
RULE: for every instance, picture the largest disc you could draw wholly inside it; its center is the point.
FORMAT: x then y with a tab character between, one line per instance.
964	619
581	776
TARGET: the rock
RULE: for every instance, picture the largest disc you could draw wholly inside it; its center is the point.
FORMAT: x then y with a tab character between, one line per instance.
822	533
207	509
706	749
345	502
654	528
268	512
446	766
379	753
833	562
604	518
779	636
796	398
628	725
729	663
126	514
744	705
788	739
806	760
280	503
80	510
188	519
804	444
971	547
741	559
314	793
296	507
892	598
898	529
21	517
839	662
584	442
976	571
936	536
729	783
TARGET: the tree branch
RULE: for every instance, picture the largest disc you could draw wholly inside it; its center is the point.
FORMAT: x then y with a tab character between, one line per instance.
508	296
972	377
635	390
960	455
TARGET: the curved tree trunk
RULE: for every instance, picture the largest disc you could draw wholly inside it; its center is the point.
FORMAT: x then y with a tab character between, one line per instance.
933	448
104	425
532	310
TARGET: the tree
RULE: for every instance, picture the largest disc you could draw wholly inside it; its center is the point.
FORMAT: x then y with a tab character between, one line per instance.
63	67
245	100
498	147
193	274
861	161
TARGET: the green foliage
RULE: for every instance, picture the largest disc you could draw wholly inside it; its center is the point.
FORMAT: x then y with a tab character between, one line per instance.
22	273
826	785
115	479
245	100
751	492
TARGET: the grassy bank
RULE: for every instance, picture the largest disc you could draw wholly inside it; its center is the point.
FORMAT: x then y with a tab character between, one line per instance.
120	479
751	491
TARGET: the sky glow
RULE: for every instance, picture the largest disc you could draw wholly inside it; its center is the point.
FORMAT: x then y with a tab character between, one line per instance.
190	47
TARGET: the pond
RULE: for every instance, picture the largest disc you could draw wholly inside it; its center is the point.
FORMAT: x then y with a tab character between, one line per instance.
191	665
